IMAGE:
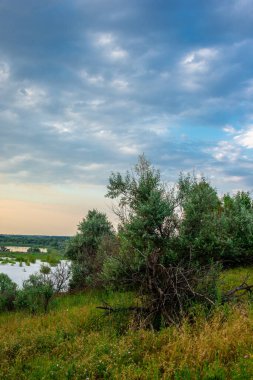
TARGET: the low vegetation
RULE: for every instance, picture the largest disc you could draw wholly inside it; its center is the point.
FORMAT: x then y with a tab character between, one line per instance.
52	257
36	292
74	340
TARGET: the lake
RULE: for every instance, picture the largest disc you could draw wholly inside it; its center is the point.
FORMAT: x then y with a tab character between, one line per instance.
18	274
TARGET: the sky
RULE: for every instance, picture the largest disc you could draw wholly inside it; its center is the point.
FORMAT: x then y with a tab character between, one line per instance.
88	85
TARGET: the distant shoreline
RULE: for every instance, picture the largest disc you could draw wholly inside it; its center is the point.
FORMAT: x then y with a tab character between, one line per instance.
23	249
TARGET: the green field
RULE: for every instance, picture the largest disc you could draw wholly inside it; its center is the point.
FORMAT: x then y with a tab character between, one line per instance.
77	341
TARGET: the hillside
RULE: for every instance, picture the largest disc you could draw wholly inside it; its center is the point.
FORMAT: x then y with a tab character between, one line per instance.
77	341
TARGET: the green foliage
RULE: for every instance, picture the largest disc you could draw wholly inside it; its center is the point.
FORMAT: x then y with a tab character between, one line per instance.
8	291
213	228
45	270
57	242
199	229
160	254
80	276
164	234
237	229
147	216
36	293
53	257
189	223
84	249
144	205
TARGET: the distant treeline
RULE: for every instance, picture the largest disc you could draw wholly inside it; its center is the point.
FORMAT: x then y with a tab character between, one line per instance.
57	242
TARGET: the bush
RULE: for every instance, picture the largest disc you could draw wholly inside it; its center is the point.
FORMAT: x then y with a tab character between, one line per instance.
237	229
86	249
148	220
39	289
167	238
36	293
8	292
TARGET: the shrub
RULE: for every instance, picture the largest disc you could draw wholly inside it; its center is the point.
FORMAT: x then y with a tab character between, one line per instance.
36	293
8	292
85	252
159	257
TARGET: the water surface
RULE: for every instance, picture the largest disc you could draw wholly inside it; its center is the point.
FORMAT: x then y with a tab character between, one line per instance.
19	273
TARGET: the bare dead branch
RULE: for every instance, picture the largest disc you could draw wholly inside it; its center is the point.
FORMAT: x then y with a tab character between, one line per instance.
237	292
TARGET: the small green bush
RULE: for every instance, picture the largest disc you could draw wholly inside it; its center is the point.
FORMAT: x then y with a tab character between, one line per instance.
36	294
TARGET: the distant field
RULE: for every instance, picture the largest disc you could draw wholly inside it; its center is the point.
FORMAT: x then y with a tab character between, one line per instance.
77	341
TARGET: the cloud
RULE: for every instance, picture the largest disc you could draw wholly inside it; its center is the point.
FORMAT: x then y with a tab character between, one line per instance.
120	84
27	97
226	151
118	53
245	138
89	91
130	150
61	127
4	72
93	79
196	66
104	39
229	129
110	46
198	61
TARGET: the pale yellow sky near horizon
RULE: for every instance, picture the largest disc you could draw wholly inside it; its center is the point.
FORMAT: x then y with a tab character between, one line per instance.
48	210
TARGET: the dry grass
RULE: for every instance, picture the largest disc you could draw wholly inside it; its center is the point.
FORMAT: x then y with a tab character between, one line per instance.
75	341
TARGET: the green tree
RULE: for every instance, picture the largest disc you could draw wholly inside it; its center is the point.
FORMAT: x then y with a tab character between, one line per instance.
151	247
199	237
147	220
237	229
84	249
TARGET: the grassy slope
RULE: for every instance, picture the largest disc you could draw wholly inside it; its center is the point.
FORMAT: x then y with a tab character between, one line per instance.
75	341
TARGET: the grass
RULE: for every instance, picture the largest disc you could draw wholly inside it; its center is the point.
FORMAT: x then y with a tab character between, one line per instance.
77	341
52	258
232	277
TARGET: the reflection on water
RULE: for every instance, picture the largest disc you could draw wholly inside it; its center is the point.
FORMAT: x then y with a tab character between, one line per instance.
18	274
